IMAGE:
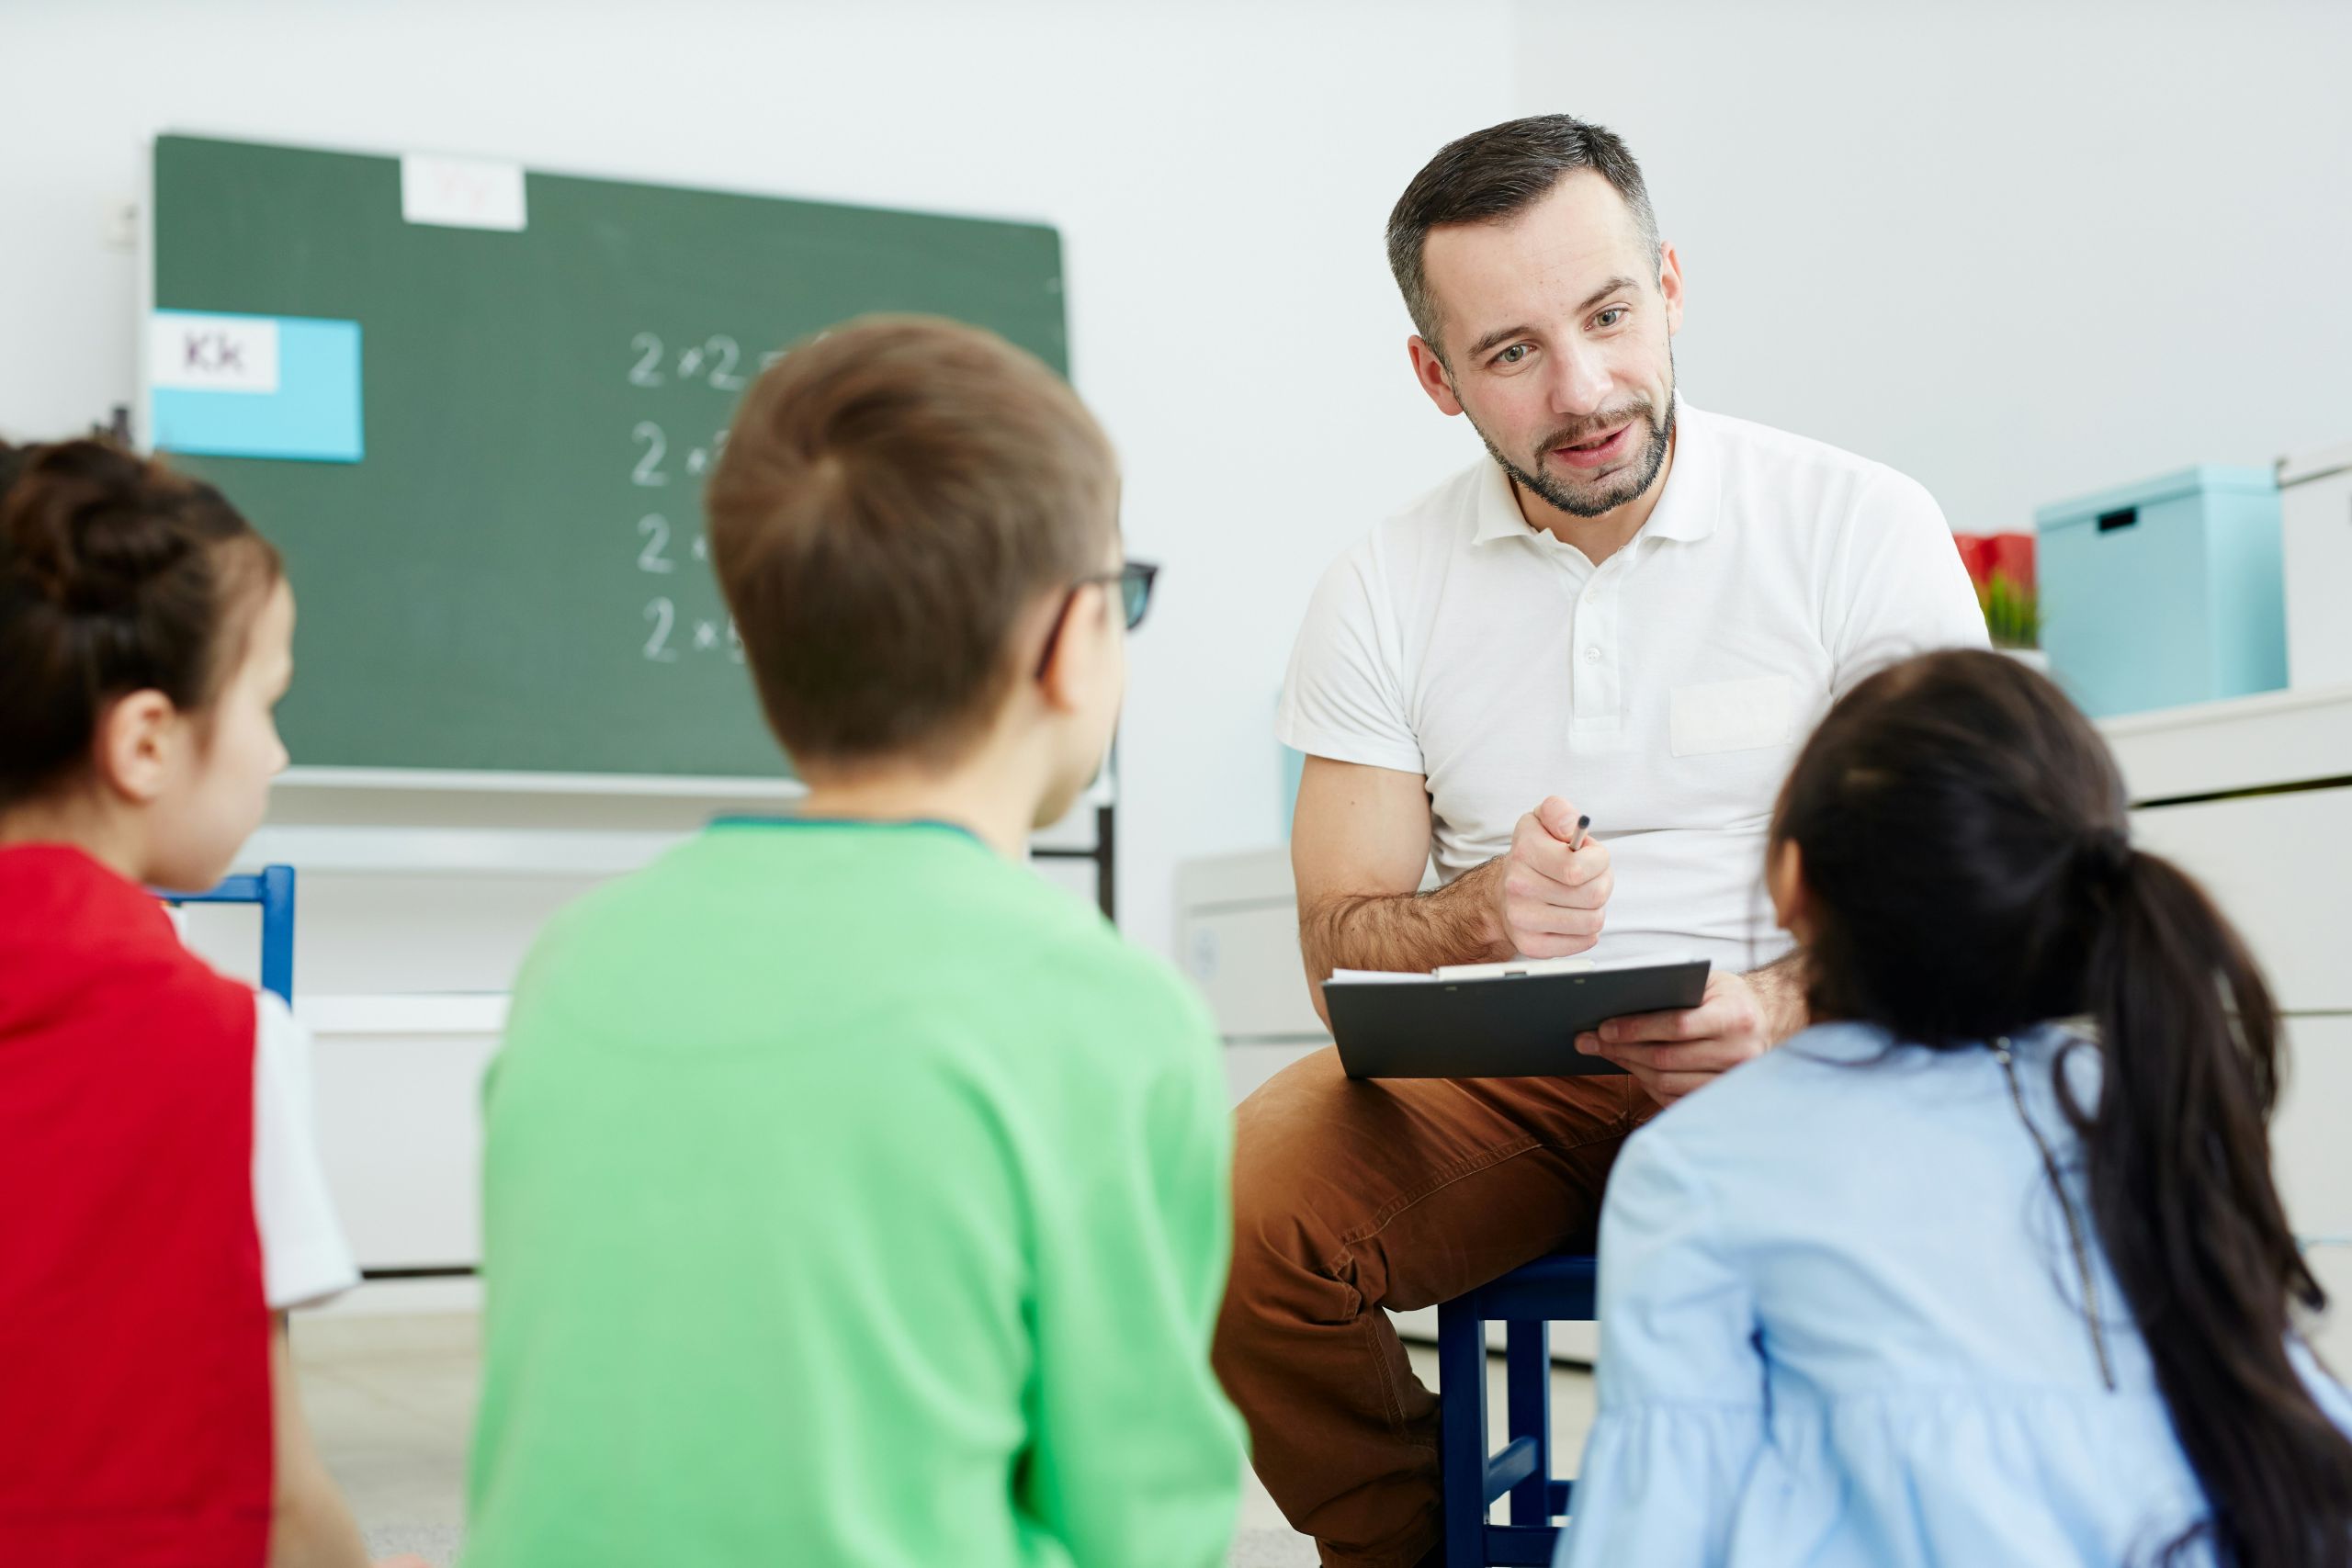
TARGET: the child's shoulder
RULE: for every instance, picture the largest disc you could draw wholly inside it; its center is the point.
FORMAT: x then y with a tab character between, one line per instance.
1087	995
1827	1077
1086	985
804	912
1846	1095
1825	1052
76	939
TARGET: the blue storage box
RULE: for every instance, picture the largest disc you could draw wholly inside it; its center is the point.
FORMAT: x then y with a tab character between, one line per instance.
2165	592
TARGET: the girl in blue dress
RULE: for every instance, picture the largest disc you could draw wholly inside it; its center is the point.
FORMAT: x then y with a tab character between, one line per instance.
1947	1280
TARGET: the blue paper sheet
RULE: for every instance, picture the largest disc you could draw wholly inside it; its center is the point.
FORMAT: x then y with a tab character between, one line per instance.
255	386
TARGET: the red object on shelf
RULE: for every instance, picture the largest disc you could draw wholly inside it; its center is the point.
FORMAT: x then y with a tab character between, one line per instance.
2008	555
2012	557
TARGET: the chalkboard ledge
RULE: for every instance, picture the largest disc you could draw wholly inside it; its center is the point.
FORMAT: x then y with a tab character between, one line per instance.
459	780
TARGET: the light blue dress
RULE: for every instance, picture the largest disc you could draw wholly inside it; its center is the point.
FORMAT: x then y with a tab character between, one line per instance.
1842	1323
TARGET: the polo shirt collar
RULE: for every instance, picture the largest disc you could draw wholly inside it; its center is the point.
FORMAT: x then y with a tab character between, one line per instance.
1686	511
1693	501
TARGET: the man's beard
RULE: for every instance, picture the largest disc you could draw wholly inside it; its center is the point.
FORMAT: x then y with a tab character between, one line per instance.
1628	483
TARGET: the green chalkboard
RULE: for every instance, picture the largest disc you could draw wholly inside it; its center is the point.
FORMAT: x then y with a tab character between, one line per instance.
510	577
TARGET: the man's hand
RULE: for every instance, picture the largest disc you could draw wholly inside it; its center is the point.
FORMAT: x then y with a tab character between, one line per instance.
1670	1053
1551	900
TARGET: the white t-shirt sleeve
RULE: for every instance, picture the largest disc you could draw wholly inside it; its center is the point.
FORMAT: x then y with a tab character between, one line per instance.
1342	698
305	1258
1895	585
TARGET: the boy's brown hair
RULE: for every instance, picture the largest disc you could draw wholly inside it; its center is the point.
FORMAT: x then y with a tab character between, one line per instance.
894	494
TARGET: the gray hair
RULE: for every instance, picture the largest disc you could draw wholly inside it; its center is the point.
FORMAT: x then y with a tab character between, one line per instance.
1497	173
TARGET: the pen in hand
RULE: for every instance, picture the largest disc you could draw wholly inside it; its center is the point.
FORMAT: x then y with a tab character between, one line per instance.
1576	840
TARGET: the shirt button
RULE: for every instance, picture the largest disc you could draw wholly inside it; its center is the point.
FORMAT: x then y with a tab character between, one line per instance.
1592	596
1592	656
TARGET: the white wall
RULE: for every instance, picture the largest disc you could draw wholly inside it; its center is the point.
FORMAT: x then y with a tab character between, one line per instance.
2021	251
1219	171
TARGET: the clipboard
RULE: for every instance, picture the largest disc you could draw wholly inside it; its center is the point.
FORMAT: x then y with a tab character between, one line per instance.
1507	1026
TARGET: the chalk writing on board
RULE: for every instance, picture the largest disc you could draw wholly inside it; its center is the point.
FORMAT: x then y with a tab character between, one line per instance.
708	635
664	615
674	627
715	360
655	530
648	467
646	372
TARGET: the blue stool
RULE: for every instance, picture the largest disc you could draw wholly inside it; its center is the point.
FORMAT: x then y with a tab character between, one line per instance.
1558	1289
272	889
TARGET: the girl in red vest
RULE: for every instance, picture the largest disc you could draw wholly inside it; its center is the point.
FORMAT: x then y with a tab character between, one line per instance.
160	1194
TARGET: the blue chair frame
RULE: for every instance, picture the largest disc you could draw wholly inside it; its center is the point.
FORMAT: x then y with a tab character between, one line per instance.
1559	1289
273	888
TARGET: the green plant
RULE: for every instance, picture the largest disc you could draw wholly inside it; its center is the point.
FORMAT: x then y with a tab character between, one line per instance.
2011	612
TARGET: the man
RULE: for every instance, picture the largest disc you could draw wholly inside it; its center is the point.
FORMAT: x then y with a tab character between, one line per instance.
1635	611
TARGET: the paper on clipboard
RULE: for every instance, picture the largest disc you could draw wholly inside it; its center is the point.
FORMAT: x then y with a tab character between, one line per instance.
1508	967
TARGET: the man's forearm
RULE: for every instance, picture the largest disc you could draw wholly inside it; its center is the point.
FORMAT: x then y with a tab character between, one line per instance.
1780	988
1454	924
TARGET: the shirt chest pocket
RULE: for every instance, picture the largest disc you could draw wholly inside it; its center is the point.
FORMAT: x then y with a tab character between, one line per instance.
1732	715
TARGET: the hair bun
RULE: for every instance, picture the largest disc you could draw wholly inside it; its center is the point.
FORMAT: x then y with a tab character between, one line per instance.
87	526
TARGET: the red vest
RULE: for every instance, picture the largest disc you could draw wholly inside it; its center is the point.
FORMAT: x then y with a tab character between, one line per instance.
134	1337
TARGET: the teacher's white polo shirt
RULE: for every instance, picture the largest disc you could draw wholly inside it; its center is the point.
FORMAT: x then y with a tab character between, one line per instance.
1665	693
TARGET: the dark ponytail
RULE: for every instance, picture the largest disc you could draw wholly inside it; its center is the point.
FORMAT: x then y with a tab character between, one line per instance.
116	575
1965	853
2178	1159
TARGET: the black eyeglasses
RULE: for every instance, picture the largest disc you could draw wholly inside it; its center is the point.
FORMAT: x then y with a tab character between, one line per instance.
1134	580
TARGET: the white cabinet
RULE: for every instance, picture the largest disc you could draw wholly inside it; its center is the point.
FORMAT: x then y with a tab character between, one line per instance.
2311	1141
1236	938
2280	867
2251	797
397	1082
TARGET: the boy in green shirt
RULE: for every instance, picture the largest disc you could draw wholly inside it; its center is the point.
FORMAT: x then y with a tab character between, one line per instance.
852	1195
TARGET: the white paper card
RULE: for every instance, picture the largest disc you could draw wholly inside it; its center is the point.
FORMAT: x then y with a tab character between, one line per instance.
193	353
462	193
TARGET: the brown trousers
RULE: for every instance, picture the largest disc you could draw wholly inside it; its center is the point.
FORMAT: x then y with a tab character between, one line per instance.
1352	1196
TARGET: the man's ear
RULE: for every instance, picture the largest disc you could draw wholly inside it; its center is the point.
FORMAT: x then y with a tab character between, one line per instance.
1430	373
1076	649
137	745
1669	287
1784	880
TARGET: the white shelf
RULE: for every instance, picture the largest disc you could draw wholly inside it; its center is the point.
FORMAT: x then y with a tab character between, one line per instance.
2288	736
622	785
468	1013
480	851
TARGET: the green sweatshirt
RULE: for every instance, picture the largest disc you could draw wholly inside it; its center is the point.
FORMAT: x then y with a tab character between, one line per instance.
853	1196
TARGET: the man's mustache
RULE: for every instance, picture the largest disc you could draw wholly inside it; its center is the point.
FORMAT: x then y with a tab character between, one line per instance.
1584	430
